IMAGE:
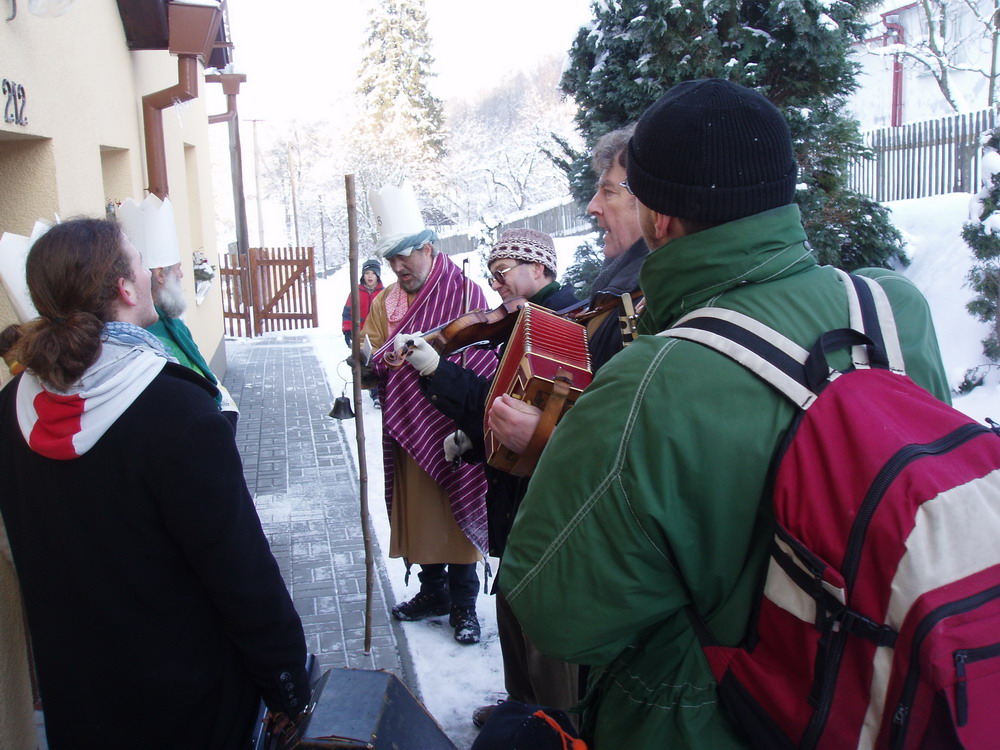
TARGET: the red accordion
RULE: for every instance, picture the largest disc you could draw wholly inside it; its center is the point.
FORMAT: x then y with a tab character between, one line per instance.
545	363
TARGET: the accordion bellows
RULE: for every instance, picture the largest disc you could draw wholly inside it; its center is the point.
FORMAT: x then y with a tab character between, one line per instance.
542	347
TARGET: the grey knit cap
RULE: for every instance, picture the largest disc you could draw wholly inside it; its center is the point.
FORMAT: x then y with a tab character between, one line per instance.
712	151
528	245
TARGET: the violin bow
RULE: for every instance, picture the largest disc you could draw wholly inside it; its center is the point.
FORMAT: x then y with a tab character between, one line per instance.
466	303
466	297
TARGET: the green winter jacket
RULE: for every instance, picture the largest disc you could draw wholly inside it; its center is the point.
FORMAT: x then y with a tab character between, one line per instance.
650	494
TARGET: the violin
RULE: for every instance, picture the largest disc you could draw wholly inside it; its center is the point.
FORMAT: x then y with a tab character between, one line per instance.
475	328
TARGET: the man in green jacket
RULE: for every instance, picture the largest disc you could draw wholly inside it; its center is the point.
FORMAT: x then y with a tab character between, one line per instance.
651	494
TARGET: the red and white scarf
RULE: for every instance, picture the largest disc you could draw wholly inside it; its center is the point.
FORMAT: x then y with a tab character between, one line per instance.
66	424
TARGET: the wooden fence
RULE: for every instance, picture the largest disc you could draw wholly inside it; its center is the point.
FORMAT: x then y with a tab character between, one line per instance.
269	289
924	158
563	220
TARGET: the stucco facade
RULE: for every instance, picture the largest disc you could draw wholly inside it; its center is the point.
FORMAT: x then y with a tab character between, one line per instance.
71	143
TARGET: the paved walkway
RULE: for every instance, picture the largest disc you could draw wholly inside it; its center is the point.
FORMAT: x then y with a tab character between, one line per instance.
300	470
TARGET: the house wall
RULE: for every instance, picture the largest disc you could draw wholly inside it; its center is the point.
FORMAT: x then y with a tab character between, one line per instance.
922	99
83	143
81	148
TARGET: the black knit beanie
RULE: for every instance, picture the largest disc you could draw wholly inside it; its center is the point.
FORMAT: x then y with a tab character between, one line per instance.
712	151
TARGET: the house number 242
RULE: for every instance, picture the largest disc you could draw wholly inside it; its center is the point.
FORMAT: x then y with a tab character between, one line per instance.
13	110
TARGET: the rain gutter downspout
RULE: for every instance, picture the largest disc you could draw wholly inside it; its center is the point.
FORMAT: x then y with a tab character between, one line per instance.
153	105
896	35
230	87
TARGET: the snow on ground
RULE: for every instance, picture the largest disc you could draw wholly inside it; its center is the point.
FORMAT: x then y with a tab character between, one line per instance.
940	261
452	679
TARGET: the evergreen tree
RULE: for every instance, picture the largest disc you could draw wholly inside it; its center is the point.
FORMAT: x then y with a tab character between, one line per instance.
793	52
982	237
401	130
587	263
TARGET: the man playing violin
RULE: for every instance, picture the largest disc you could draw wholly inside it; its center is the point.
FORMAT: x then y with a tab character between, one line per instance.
522	264
437	513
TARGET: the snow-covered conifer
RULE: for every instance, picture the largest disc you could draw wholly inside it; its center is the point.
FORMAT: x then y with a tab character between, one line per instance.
793	52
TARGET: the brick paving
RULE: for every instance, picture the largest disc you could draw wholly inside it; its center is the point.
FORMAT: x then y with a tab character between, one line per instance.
300	470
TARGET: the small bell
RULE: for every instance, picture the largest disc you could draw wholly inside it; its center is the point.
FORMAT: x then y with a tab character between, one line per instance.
342	408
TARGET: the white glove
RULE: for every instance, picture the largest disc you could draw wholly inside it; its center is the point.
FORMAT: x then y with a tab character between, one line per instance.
420	354
455	445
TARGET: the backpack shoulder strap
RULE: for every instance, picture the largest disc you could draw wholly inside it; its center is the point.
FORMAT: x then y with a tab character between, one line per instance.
871	314
773	357
796	372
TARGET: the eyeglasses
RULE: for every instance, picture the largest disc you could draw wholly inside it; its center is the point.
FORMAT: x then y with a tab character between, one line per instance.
498	278
625	185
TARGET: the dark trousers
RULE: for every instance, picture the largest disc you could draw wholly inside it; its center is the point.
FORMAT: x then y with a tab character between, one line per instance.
529	675
461	581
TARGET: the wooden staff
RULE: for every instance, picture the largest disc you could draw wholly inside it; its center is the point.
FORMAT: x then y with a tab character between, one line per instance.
359	423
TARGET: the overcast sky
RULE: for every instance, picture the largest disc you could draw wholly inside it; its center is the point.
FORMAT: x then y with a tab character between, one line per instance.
300	54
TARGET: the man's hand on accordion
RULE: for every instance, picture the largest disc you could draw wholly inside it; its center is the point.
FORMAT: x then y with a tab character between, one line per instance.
415	349
513	422
455	445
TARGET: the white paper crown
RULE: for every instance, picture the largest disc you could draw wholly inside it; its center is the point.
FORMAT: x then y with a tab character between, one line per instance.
396	211
150	226
13	256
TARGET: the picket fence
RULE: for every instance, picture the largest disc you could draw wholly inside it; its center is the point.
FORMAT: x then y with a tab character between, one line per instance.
924	158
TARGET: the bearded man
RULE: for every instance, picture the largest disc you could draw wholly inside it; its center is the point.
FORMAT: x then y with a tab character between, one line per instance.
170	304
437	512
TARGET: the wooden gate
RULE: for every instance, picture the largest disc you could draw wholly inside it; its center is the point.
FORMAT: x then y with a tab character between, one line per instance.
269	289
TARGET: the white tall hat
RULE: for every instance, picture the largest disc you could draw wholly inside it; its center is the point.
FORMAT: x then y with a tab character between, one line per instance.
13	257
396	214
151	227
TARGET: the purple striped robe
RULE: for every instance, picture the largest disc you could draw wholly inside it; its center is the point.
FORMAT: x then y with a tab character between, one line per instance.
409	419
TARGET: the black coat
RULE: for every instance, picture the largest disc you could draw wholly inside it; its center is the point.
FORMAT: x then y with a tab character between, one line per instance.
461	395
157	613
620	276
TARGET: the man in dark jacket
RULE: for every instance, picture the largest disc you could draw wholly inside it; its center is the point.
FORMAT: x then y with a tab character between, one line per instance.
521	264
157	613
614	208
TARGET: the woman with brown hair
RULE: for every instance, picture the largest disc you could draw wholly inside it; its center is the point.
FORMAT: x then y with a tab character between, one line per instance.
157	613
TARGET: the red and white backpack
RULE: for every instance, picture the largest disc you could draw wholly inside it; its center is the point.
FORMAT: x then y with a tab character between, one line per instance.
878	625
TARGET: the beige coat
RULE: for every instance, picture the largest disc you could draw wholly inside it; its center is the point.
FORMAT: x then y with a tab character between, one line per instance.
422	527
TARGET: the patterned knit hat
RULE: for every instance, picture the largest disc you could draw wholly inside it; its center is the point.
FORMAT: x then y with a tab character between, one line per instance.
526	245
712	151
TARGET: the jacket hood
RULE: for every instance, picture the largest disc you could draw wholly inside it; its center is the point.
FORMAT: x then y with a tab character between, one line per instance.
65	425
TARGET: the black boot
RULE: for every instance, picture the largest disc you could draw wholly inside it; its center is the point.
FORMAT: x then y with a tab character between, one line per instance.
466	625
427	603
